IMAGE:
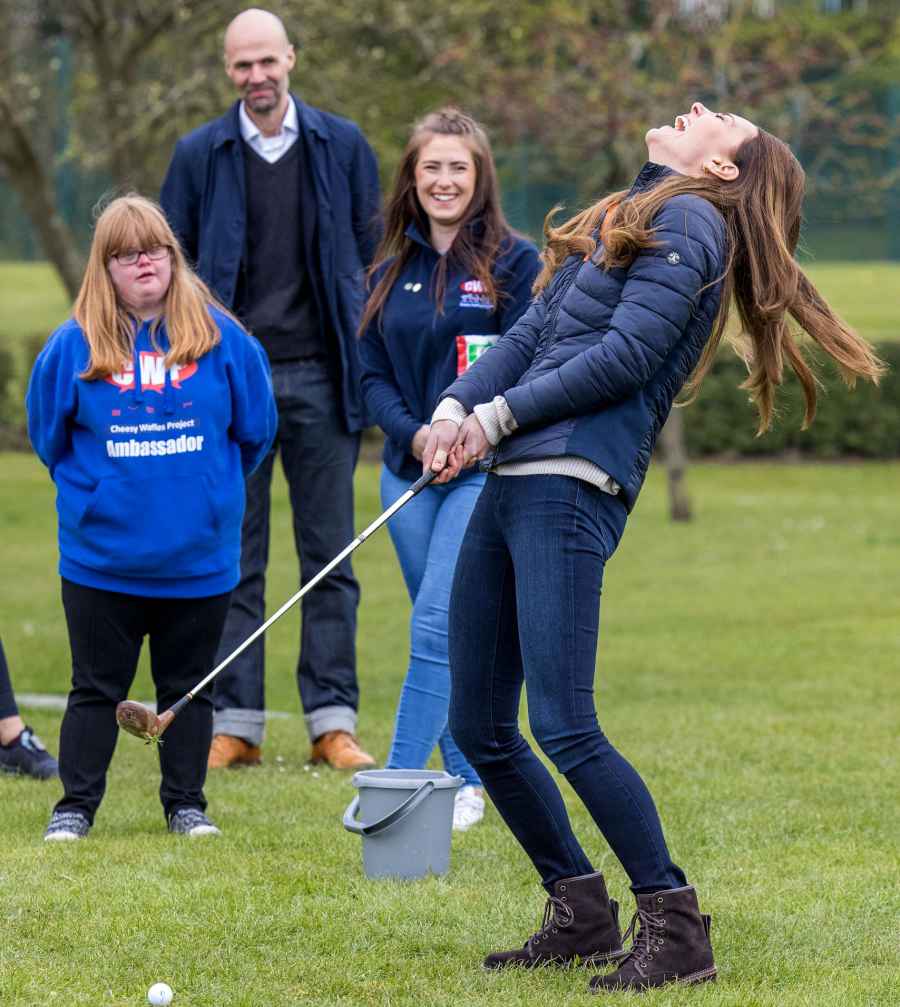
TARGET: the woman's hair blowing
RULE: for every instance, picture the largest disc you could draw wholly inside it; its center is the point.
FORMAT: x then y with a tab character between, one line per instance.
761	209
482	230
128	223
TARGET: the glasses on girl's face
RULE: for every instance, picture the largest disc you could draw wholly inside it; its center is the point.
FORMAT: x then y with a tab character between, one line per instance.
131	258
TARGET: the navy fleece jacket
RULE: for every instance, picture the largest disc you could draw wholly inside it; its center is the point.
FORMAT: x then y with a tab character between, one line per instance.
149	464
413	352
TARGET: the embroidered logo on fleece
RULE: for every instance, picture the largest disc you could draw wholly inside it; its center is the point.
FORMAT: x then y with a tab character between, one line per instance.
153	373
469	349
472	295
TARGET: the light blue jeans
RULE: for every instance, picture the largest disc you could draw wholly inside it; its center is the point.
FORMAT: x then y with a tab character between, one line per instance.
427	533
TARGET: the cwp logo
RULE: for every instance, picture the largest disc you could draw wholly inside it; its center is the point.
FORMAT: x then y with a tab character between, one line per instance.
153	373
473	295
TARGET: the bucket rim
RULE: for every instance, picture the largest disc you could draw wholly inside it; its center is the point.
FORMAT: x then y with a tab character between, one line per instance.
404	779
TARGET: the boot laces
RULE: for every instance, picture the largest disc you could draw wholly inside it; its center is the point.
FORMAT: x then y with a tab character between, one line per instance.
556	914
648	938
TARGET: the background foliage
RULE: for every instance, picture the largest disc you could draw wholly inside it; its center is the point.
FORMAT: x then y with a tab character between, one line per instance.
93	94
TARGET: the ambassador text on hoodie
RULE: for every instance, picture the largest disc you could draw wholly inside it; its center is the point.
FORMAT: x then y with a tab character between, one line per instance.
149	463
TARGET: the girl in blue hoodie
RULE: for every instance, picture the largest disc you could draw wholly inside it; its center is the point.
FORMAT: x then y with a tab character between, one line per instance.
449	278
149	407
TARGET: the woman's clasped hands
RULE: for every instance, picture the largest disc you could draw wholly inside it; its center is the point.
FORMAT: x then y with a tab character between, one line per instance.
451	447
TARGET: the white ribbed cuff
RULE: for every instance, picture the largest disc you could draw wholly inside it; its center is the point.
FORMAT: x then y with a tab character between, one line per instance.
449	409
508	423
487	417
496	419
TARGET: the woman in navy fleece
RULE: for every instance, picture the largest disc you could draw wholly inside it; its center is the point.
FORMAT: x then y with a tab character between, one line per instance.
632	303
449	278
149	407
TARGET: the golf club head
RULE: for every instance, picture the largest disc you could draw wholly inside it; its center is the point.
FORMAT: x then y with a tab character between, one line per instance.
143	723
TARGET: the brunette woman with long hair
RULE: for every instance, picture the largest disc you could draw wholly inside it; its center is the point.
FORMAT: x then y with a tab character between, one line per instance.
631	305
149	407
449	279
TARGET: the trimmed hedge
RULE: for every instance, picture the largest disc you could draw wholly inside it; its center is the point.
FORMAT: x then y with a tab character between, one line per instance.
864	422
14	372
9	406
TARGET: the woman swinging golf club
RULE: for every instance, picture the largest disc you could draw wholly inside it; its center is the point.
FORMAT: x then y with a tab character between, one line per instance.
570	401
149	407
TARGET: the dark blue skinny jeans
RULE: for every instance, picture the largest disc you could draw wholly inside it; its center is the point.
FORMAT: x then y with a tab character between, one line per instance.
524	610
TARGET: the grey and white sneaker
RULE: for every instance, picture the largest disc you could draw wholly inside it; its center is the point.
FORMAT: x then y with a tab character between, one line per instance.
66	826
192	822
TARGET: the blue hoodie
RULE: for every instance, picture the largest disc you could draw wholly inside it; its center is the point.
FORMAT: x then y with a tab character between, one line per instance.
150	472
412	353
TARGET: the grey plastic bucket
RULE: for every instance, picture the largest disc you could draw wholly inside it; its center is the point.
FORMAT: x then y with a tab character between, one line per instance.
406	817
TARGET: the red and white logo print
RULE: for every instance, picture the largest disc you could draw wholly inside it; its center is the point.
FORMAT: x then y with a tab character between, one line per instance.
473	295
153	373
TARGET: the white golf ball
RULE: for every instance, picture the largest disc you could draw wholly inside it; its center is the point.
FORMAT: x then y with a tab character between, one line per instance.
160	994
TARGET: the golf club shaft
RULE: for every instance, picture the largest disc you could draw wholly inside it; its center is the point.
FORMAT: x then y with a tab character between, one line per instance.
419	484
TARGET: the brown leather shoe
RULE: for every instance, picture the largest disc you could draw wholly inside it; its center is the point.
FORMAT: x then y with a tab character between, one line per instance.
227	750
341	751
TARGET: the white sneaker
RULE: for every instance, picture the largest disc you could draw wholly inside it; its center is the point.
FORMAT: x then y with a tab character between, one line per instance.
468	808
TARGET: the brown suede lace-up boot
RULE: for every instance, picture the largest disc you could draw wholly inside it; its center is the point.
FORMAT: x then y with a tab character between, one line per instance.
671	945
581	923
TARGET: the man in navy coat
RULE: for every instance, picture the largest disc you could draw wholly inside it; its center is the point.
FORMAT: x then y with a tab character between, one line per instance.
277	204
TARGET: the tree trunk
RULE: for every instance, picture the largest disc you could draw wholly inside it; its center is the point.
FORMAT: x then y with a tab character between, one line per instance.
674	454
25	169
56	237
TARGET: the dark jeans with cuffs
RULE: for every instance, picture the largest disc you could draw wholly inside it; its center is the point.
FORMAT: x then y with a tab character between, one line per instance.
525	611
106	630
8	706
318	457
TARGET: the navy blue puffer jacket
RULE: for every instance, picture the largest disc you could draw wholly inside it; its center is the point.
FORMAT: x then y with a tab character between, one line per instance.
593	366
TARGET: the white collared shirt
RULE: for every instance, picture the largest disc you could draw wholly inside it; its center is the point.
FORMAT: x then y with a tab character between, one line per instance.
271	148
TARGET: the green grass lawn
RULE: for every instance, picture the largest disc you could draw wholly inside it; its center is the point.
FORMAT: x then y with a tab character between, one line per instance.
747	666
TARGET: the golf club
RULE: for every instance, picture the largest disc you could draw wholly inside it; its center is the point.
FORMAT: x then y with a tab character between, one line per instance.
142	722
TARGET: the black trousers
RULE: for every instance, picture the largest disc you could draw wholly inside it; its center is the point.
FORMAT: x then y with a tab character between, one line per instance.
8	706
106	630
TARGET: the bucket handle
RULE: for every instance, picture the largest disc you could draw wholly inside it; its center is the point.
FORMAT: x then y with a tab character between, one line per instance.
391	818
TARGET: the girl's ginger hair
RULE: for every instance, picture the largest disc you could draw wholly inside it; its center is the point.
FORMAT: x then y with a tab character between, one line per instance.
761	209
482	231
127	223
